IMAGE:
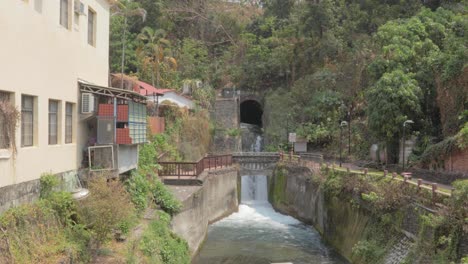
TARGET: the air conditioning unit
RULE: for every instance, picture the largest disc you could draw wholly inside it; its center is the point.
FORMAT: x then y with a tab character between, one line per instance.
79	8
87	103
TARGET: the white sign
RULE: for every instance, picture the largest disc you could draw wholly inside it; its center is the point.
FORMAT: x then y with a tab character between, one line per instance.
292	137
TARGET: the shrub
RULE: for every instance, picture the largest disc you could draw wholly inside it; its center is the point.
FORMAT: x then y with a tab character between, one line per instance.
164	198
368	251
159	244
138	187
371	197
48	184
107	206
35	233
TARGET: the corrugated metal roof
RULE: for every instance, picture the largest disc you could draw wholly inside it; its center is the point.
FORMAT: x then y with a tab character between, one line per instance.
148	89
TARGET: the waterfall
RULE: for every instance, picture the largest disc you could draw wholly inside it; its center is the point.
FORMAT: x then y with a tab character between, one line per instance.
257	234
254	189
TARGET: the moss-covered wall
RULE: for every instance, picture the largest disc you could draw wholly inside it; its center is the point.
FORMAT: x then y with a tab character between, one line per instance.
352	226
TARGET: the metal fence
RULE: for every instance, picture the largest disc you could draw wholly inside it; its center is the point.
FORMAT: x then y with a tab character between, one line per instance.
193	169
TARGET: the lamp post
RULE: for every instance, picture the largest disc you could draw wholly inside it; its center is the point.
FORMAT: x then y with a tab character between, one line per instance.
404	140
288	116
349	133
343	124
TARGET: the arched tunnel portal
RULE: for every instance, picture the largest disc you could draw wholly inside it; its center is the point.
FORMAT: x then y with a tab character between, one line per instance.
251	112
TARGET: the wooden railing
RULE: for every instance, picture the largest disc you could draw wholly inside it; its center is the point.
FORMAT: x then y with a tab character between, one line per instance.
194	169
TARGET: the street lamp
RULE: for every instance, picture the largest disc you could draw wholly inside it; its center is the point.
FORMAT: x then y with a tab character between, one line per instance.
404	140
343	124
349	133
287	128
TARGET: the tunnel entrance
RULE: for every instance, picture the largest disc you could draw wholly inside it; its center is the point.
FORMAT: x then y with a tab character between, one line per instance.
251	112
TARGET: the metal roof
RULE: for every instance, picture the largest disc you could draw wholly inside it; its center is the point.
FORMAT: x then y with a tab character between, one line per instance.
87	87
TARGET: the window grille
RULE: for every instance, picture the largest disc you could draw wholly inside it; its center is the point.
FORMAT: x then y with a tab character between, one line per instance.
91	27
68	123
53	122
27	121
64	13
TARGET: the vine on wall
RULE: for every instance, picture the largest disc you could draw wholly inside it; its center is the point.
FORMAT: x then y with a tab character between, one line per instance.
9	117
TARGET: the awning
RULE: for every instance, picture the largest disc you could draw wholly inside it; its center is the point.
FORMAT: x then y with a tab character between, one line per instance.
86	87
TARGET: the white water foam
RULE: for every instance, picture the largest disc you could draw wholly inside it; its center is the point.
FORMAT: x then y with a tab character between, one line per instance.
255	210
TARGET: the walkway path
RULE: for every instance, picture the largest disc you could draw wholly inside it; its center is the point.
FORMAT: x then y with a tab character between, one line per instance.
446	189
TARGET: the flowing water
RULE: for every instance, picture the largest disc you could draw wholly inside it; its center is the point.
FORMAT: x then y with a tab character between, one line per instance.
257	234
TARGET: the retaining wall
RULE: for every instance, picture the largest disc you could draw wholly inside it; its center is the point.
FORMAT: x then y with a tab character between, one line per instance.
341	223
205	204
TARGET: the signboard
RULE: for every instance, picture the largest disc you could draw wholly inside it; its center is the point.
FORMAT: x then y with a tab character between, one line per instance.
292	137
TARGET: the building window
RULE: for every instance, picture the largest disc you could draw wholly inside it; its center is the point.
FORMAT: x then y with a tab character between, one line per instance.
91	27
64	13
4	140
68	123
38	6
53	122
27	121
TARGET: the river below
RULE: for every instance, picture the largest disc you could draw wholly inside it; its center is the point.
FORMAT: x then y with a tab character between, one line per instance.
257	234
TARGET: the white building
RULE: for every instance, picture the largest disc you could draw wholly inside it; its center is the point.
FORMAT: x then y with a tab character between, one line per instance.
165	95
46	47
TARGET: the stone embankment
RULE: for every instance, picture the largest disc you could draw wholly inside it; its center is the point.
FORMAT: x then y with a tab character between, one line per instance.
342	222
202	205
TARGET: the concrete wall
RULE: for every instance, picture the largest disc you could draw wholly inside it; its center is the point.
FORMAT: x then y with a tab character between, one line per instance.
44	59
226	113
226	116
341	224
205	204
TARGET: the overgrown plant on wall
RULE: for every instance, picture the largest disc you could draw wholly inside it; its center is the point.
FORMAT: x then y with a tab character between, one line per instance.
9	119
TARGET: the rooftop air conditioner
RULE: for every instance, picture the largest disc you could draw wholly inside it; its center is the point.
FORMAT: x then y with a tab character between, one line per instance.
87	103
79	8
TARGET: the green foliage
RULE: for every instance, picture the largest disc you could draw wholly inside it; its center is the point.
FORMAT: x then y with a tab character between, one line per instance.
43	231
372	197
460	195
159	245
193	59
234	132
394	99
441	149
368	251
48	183
107	206
333	184
138	187
462	137
164	198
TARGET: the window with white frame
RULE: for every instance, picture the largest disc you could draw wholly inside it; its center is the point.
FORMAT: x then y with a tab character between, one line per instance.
65	13
68	123
91	27
53	122
27	120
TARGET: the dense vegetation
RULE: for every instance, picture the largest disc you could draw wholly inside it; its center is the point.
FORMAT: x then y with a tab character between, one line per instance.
372	63
59	229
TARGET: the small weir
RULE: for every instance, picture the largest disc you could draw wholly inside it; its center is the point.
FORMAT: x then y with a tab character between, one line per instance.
257	234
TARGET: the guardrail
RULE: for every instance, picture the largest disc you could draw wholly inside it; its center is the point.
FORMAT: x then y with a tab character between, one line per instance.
193	169
433	188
